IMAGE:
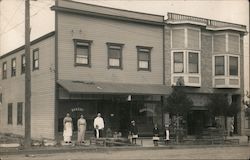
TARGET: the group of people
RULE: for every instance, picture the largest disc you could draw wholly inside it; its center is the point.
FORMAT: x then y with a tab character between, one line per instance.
81	126
99	127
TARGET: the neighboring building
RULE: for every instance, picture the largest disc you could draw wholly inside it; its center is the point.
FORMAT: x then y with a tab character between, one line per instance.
122	64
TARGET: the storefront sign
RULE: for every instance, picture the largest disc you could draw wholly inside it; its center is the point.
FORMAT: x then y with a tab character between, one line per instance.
77	109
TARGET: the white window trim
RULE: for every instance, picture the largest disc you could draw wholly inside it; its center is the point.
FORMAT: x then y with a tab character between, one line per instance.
227	77
186	73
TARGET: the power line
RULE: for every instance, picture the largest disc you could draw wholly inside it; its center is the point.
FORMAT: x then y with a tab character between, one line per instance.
42	8
18	7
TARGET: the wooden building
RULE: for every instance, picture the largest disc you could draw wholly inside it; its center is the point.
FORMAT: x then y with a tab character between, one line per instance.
122	64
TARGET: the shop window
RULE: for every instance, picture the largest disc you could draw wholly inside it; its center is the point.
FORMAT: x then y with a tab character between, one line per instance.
10	110
144	58
36	59
82	52
13	67
4	72
23	64
115	55
19	113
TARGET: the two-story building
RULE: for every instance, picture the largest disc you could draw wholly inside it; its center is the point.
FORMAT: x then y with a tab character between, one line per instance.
122	64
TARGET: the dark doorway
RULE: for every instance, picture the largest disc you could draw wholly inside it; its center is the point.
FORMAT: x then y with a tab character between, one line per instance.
125	118
196	122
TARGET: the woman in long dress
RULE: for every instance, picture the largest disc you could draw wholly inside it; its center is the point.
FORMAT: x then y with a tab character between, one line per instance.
81	124
68	127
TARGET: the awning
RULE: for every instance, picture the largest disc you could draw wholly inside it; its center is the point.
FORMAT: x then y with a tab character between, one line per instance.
83	87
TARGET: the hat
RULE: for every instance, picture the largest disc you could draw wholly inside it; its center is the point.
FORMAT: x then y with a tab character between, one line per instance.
132	121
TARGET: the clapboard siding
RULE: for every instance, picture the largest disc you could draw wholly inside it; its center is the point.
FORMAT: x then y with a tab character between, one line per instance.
42	99
109	11
101	31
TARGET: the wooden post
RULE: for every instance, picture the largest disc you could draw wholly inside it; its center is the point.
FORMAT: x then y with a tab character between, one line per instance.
27	134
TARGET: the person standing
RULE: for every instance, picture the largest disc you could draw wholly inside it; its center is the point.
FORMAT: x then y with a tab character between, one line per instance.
68	128
166	134
98	126
231	129
81	125
155	135
133	132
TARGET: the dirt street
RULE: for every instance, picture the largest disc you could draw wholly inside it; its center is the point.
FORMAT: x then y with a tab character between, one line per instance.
159	154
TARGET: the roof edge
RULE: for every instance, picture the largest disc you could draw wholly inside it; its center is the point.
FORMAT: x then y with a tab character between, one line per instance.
39	39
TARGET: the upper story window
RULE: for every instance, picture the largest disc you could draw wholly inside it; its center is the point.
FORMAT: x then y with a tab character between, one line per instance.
144	58
82	52
178	62
219	65
4	72
23	64
193	62
233	66
186	65
226	71
115	55
13	67
35	59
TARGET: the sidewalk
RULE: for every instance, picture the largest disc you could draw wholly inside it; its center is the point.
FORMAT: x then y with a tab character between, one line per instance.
147	145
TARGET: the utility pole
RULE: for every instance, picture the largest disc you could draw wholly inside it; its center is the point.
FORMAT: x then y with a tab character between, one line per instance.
27	134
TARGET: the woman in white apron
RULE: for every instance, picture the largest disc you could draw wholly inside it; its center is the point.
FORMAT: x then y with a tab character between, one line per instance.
166	133
81	124
68	127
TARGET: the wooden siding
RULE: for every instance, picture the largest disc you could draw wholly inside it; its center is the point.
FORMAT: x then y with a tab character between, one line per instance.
193	38
109	11
101	31
42	99
178	38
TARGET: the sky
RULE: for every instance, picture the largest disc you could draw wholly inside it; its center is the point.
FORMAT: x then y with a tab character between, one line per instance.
42	18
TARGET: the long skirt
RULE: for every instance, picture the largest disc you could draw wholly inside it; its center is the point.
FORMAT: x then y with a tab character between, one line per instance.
81	133
67	133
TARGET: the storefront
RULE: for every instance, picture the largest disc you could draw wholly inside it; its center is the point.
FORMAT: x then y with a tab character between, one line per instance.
142	103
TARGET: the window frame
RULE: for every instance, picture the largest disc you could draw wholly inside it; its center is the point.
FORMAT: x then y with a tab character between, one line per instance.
149	59
227	65
10	114
4	71
115	45
238	65
34	60
20	113
198	65
183	61
13	68
23	65
224	66
88	44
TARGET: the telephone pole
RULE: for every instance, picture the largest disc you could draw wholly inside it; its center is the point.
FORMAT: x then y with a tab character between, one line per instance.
27	134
